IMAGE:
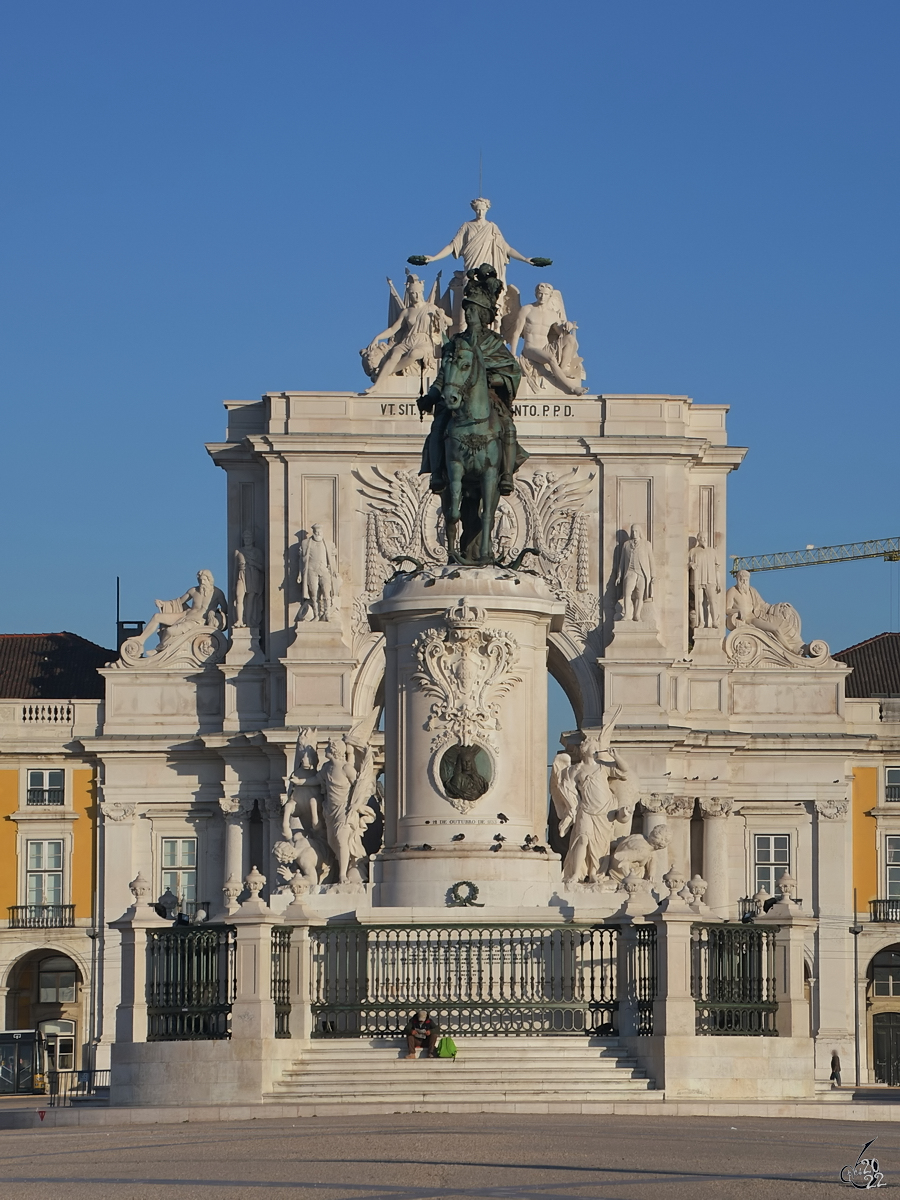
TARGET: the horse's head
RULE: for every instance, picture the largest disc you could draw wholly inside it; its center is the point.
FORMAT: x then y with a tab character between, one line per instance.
460	366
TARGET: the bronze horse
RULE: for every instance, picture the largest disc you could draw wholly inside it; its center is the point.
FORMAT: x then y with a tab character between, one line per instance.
473	454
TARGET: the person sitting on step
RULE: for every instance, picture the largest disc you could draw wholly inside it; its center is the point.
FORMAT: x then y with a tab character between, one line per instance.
421	1034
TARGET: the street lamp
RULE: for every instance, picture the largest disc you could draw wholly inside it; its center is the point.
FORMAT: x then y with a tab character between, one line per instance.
856	929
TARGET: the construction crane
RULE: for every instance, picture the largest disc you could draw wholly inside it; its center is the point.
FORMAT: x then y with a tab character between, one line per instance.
814	556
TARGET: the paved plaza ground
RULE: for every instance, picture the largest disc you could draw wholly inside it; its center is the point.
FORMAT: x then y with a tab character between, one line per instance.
413	1157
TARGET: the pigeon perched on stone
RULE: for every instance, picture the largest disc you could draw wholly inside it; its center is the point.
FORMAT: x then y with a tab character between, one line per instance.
540	849
498	837
458	837
502	817
497	846
425	846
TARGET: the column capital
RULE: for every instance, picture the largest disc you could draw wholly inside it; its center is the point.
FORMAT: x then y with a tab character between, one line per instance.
655	802
716	806
236	808
679	806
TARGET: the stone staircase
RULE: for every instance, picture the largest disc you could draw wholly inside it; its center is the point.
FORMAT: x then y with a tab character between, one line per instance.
489	1074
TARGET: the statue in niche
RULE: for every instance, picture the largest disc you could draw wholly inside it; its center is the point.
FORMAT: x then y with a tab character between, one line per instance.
414	336
335	801
471	450
198	617
582	793
706	584
647	857
249	582
319	578
480	241
549	350
745	606
465	773
635	574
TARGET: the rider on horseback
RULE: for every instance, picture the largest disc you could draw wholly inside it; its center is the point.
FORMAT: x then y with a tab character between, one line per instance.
481	297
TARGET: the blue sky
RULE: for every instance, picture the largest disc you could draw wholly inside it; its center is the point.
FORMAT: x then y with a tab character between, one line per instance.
200	201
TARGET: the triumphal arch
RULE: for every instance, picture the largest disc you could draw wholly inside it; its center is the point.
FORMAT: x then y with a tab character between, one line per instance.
346	744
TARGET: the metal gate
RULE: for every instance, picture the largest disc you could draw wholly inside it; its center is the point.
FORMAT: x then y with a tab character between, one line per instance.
473	979
733	980
190	982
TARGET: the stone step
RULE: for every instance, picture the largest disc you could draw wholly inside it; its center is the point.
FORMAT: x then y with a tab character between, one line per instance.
529	1071
458	1091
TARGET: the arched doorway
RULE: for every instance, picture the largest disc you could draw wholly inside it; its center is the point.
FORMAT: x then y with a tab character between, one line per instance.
883	1013
45	989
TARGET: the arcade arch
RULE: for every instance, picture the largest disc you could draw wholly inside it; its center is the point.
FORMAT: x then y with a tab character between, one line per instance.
45	989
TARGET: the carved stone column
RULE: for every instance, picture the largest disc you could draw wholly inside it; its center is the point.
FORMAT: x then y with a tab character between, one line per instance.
653	808
235	812
715	854
679	810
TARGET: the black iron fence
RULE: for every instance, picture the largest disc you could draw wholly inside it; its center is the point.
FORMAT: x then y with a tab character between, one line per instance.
281	979
474	979
733	979
66	1088
640	941
41	916
190	982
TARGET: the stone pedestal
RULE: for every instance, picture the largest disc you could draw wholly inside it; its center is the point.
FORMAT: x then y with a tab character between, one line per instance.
318	675
246	682
465	736
709	647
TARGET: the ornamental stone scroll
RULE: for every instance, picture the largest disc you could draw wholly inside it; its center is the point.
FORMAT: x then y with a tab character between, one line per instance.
832	810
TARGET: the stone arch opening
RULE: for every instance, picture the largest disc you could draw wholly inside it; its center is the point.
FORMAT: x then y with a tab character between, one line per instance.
883	1015
45	990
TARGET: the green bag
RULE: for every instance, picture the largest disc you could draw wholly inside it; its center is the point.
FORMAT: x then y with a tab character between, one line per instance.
446	1048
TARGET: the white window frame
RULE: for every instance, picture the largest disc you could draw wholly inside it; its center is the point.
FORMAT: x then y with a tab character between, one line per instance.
44	871
45	773
180	868
777	868
892	866
892	779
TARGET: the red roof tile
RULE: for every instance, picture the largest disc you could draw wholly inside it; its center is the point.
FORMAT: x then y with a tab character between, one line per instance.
876	666
51	666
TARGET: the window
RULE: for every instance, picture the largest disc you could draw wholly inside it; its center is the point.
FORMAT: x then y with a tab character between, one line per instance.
892	859
59	1044
45	787
56	981
773	858
892	784
179	868
886	973
43	879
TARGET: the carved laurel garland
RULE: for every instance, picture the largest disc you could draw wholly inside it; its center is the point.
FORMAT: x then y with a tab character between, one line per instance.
468	669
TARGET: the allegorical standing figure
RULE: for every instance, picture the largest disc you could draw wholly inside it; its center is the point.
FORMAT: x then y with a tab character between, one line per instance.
319	579
636	574
480	241
249	582
703	564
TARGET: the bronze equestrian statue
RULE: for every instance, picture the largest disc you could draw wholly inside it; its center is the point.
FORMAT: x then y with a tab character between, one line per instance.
472	452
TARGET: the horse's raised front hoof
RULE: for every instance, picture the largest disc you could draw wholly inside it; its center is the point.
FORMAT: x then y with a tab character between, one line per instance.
506	487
